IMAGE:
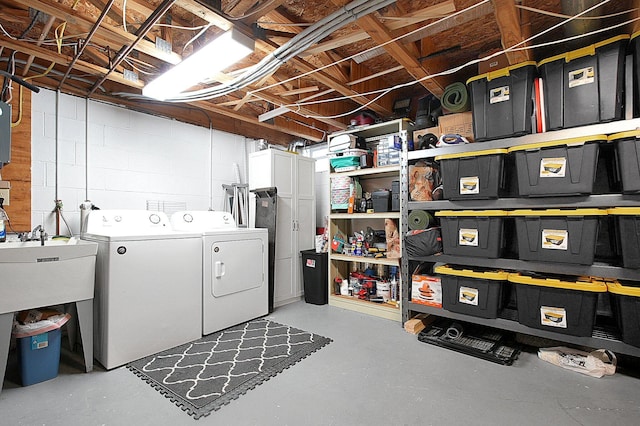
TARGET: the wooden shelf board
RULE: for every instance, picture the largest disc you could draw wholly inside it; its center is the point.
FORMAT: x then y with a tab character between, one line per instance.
382	310
373	260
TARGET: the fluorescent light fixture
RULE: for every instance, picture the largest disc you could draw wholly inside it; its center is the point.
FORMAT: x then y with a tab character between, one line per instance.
220	53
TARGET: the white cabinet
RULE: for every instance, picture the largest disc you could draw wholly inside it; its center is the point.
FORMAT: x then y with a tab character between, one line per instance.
293	175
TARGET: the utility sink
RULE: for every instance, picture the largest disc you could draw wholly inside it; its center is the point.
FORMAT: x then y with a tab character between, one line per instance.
33	275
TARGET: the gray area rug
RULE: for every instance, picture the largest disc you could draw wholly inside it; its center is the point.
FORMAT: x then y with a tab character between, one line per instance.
203	375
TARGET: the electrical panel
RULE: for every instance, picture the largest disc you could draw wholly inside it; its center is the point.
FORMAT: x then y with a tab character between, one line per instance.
5	133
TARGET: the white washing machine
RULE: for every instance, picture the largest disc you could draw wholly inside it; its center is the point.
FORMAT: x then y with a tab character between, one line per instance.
148	285
235	286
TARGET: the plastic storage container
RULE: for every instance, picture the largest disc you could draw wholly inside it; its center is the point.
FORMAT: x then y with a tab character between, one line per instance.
315	272
563	167
564	305
381	200
395	196
39	357
635	48
585	86
627	147
472	175
477	293
557	235
477	233
347	160
628	234
501	102
626	308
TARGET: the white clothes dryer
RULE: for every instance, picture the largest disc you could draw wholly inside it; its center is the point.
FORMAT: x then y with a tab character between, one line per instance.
235	286
148	285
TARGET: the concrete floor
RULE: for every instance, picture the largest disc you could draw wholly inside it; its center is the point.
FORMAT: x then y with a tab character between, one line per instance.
373	373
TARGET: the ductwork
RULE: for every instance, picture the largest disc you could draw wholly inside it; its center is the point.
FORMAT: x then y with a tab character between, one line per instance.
580	26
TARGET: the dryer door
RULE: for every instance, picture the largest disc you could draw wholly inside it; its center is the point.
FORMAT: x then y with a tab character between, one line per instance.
236	266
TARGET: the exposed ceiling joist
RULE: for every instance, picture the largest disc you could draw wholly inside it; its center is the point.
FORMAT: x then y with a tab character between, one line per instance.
381	35
508	21
82	66
106	33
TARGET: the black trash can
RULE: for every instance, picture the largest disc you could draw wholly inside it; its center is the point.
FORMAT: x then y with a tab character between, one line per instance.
315	275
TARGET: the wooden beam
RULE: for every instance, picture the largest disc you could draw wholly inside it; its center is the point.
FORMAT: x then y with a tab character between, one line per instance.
262	10
205	13
298	91
105	32
510	29
49	55
378	74
436	11
381	35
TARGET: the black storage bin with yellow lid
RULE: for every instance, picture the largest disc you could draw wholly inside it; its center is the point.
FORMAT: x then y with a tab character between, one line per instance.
553	168
627	147
625	301
557	235
473	292
564	305
585	86
501	102
627	232
474	175
477	233
635	48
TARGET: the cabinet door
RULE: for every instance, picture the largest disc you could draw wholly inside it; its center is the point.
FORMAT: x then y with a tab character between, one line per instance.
306	204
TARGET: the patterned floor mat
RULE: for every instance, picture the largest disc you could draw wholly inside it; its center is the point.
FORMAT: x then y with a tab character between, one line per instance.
203	375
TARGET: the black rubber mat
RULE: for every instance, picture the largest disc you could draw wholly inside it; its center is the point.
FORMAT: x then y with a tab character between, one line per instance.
482	342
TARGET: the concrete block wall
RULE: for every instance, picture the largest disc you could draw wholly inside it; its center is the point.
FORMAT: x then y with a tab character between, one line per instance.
123	160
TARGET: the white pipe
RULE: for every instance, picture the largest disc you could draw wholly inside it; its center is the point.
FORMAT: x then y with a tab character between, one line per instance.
211	166
57	142
86	149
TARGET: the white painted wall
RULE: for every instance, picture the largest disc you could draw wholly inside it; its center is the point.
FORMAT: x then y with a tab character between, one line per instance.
127	159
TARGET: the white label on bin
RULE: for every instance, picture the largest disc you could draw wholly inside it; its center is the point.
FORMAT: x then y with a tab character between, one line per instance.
468	237
499	94
468	295
469	185
555	239
39	341
553	317
311	263
582	76
553	167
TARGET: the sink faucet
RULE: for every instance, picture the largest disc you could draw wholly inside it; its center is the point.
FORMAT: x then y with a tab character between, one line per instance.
43	234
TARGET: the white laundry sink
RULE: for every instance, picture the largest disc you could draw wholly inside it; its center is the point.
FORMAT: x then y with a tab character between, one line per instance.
32	275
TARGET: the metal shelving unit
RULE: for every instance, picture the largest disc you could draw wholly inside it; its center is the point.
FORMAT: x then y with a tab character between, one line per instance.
601	338
339	263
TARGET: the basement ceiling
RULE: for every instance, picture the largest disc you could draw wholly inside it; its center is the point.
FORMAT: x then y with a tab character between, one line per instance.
108	49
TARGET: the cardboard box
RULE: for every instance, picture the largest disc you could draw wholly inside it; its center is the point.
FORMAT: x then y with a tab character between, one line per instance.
418	133
461	124
426	290
493	64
